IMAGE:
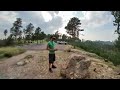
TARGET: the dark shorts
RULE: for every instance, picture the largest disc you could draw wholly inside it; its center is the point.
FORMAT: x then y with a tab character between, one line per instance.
51	58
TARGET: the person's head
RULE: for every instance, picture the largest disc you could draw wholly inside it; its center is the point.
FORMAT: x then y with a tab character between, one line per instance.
52	38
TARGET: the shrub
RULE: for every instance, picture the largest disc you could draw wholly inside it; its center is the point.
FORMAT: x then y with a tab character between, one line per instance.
2	43
7	55
10	41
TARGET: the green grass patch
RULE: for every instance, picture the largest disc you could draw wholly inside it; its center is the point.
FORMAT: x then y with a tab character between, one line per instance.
10	51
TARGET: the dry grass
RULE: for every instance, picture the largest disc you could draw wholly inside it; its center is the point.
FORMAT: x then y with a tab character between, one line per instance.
10	51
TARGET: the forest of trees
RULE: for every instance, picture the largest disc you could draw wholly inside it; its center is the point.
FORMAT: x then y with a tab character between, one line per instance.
21	35
107	51
24	35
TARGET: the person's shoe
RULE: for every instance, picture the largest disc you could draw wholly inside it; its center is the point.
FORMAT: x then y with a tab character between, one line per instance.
50	70
54	66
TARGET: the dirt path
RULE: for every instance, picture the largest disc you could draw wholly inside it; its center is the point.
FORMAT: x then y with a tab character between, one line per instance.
37	66
38	47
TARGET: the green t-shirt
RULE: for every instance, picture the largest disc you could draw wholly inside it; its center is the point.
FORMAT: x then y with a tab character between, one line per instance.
51	45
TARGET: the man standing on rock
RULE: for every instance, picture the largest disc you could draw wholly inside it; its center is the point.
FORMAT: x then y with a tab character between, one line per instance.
51	47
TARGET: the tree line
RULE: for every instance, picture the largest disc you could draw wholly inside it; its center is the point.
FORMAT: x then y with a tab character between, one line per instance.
29	34
24	35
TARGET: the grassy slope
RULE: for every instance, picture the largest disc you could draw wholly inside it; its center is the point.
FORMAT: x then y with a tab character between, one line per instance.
108	55
10	51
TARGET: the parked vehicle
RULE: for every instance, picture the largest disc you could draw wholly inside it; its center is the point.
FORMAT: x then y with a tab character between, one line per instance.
62	42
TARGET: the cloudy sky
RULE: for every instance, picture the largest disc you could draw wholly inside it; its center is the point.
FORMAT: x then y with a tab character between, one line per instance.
98	25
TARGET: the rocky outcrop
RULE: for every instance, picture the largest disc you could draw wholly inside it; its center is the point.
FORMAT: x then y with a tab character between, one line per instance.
81	68
25	60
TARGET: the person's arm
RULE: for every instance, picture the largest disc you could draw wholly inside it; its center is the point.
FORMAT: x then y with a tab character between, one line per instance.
50	49
55	48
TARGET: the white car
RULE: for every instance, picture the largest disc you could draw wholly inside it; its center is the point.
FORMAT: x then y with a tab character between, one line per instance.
61	42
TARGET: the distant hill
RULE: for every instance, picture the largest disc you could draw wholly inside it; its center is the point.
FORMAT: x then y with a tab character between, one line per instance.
104	42
100	42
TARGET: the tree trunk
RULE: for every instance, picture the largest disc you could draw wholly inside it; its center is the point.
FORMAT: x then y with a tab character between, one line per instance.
15	39
24	41
118	29
37	41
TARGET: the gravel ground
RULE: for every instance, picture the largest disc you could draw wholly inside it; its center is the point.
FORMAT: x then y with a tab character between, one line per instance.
37	65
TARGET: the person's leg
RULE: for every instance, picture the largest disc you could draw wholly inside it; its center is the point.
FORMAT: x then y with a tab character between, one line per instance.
50	67
53	66
50	62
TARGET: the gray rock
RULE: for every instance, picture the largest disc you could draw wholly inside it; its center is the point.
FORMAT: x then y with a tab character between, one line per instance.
81	68
21	63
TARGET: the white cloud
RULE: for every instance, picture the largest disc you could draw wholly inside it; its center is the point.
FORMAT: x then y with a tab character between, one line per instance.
6	20
95	19
93	23
104	35
7	16
98	25
47	17
66	15
44	19
53	13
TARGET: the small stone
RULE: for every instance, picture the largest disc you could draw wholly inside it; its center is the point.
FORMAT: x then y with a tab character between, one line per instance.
21	63
26	61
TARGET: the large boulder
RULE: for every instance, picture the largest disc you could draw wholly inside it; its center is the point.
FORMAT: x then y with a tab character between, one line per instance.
81	68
